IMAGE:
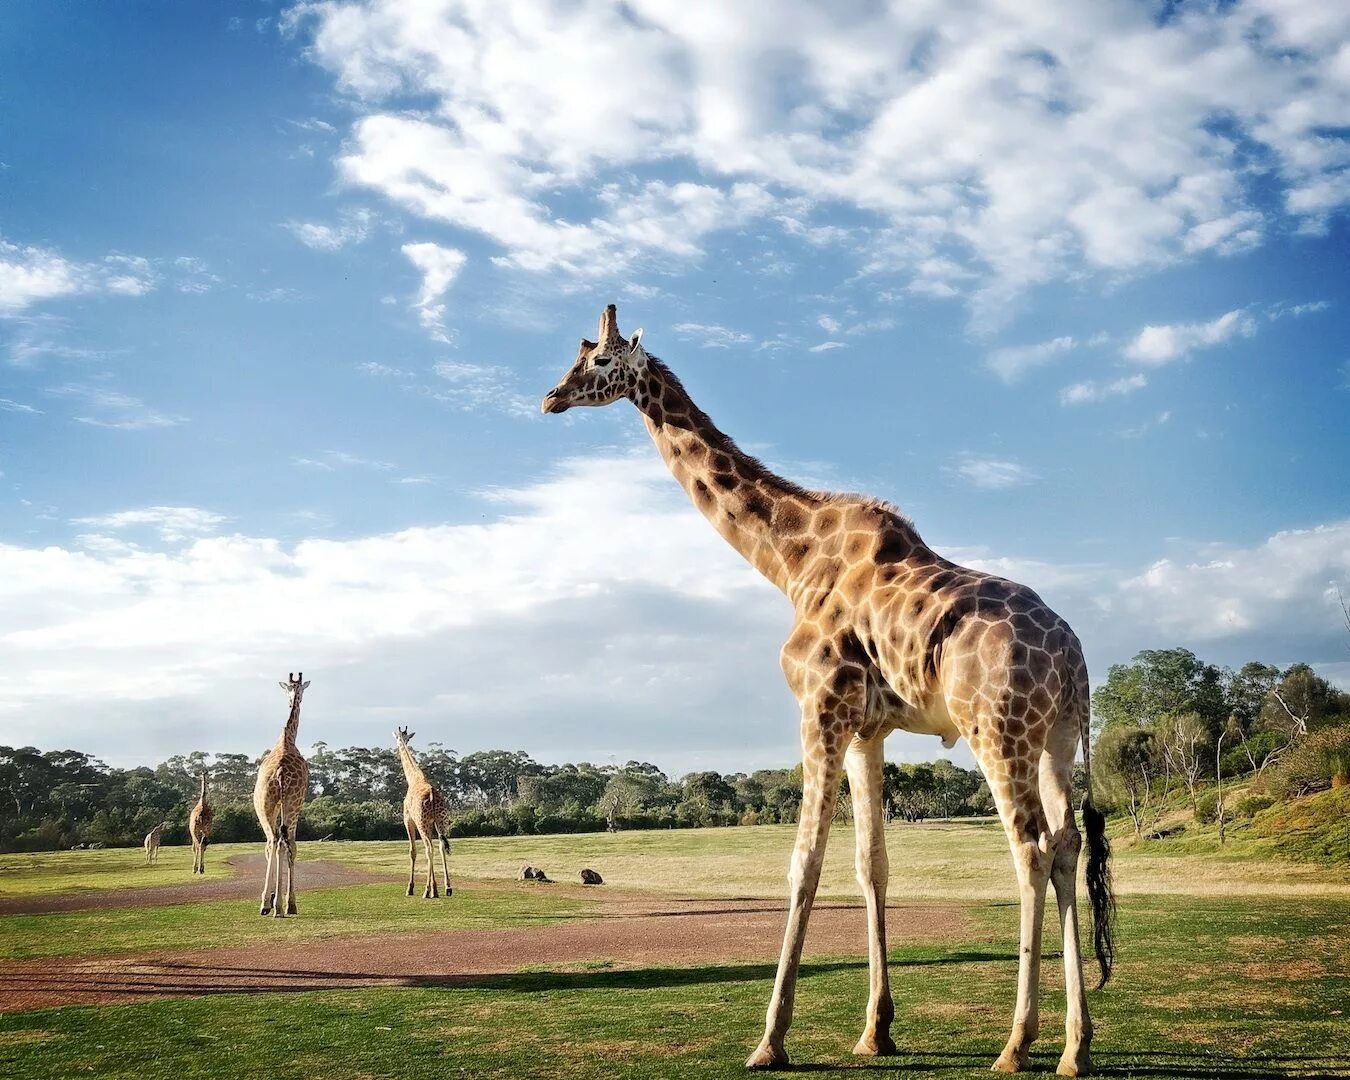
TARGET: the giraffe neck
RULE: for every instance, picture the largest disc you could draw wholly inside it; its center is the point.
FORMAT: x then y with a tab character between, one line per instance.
292	727
411	770
740	497
203	795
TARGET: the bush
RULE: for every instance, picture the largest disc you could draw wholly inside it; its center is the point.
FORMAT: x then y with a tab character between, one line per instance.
1207	808
1312	764
1251	805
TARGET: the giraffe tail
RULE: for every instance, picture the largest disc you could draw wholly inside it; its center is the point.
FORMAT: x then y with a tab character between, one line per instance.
1101	892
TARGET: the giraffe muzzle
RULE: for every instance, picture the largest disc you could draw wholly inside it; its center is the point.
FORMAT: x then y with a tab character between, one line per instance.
553	404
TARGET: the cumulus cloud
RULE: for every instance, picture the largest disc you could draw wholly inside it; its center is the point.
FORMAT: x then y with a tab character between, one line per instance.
1011	363
31	275
439	266
711	336
1157	345
994	146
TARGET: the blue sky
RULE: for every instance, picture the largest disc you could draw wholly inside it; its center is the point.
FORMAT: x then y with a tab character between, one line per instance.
281	286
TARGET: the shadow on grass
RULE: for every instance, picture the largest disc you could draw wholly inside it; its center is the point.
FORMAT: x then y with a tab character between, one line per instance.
89	984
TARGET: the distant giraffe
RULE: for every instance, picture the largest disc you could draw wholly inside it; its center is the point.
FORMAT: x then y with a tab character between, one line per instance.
425	812
278	796
890	636
152	843
199	829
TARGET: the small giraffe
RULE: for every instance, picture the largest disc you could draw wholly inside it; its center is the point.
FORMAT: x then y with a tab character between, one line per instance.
199	829
890	636
152	843
425	812
278	796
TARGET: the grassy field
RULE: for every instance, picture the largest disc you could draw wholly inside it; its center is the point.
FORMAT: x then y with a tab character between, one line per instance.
1231	966
938	860
1206	988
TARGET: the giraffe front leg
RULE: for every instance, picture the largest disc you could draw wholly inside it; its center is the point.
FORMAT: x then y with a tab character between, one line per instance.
824	736
412	856
864	764
429	893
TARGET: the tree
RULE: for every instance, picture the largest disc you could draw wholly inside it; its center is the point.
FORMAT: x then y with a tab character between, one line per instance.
1158	683
1129	762
1185	745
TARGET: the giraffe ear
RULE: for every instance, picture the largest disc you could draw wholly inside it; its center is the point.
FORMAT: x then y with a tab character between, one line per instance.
635	340
285	686
304	686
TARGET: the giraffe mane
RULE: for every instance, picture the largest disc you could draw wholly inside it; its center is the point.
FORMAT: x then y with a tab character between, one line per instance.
760	471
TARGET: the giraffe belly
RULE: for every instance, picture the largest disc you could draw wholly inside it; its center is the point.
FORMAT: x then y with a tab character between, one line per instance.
887	711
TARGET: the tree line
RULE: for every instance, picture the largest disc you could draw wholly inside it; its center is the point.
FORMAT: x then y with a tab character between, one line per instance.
1169	722
64	798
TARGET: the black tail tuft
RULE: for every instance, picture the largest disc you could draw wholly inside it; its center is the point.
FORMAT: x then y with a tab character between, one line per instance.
284	832
1100	892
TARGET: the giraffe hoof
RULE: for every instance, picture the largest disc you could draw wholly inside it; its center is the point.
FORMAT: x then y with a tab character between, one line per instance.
878	1045
264	911
767	1057
1011	1063
410	890
449	893
1075	1064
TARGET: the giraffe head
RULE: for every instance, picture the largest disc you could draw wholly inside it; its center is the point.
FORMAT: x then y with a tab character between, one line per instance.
402	736
295	687
604	370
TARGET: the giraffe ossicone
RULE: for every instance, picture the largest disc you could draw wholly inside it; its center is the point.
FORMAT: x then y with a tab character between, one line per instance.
890	636
278	798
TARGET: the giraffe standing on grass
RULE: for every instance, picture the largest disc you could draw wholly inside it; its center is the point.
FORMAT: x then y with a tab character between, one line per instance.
152	843
199	829
889	636
278	796
425	812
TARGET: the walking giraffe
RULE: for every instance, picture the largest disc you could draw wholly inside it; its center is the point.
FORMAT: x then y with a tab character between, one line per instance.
425	812
199	829
152	843
889	636
278	795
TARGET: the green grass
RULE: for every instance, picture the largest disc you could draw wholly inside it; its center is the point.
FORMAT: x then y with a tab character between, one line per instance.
1238	988
324	913
28	874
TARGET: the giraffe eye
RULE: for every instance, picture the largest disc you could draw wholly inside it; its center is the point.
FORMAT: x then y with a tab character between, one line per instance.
601	361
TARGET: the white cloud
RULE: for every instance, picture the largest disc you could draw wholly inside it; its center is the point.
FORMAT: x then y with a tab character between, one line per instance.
353	228
31	275
329	460
170	523
997	146
1156	345
1296	311
711	336
1010	363
471	387
829	324
1084	392
113	409
827	346
991	473
1221	591
10	405
439	266
194	276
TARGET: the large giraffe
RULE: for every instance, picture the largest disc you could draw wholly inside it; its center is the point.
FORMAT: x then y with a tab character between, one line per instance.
890	636
199	829
278	795
424	811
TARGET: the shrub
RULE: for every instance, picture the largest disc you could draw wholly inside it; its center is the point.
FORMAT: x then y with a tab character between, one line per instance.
1311	765
1207	808
1251	805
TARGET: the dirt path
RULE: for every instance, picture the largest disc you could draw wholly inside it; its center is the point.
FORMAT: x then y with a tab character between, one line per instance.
624	933
245	882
